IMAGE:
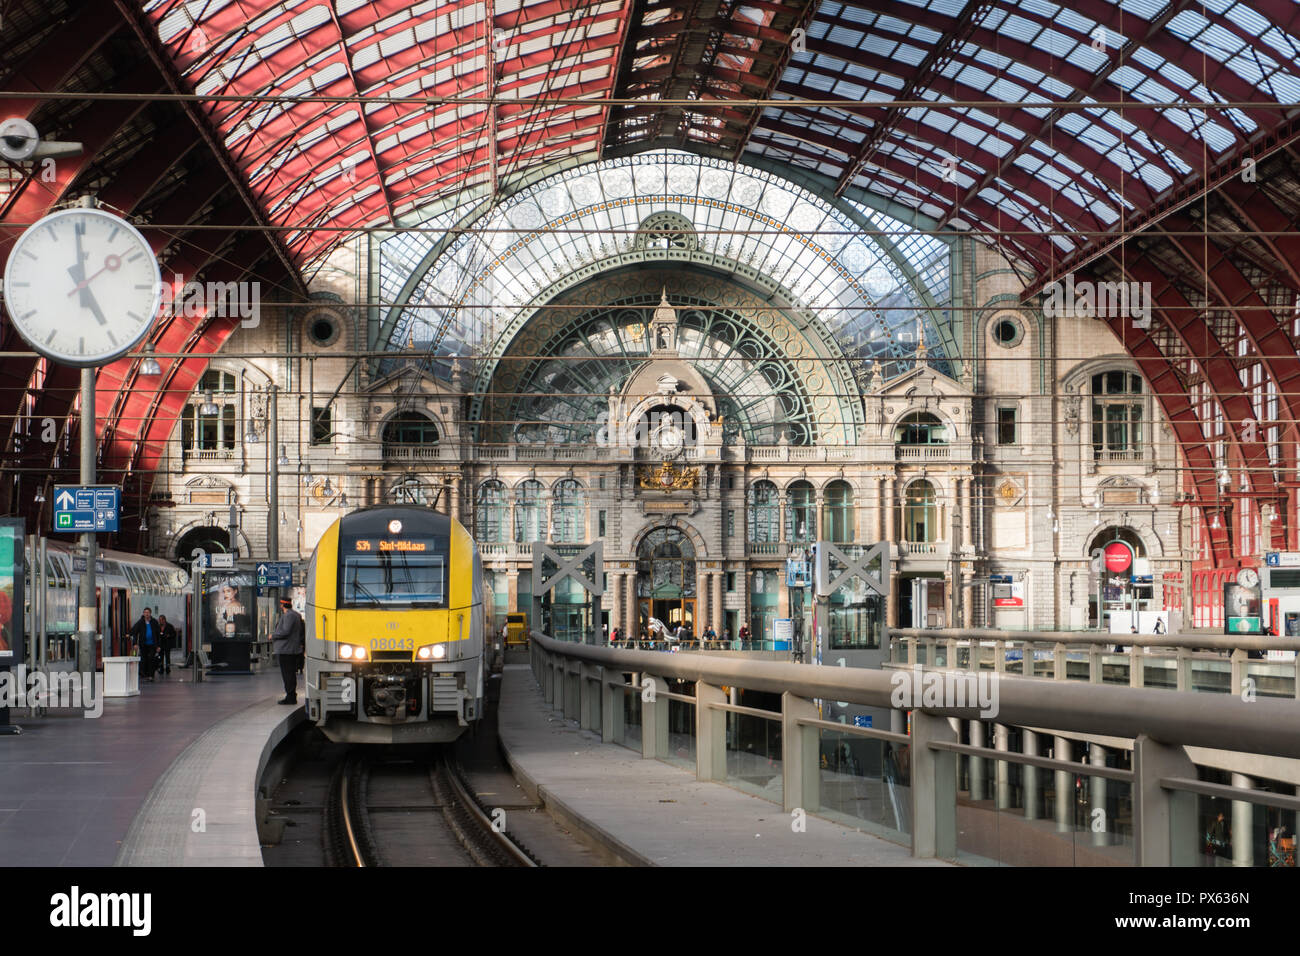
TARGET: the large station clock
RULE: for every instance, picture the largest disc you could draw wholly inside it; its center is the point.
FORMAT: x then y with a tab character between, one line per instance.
82	286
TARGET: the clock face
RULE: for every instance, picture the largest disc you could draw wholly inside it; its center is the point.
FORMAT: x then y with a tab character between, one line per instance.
1248	577
670	439
82	286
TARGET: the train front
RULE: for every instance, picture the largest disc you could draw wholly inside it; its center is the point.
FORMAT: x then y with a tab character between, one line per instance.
394	628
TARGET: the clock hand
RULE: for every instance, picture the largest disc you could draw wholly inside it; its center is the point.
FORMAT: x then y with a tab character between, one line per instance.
89	301
111	264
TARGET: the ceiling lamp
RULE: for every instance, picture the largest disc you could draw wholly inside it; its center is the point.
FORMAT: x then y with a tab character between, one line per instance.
209	406
149	364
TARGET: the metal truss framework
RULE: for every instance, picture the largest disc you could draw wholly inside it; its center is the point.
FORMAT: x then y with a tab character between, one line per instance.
1056	186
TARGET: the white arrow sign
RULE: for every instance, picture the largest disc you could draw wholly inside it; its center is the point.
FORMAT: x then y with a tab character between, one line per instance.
66	501
261	569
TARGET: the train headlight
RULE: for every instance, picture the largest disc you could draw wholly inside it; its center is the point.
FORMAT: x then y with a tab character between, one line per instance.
437	652
351	652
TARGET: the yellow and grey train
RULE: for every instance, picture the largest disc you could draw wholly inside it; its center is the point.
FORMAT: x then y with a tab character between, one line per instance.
397	615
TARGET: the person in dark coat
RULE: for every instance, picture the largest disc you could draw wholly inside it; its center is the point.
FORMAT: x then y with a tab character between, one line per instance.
167	633
289	636
146	636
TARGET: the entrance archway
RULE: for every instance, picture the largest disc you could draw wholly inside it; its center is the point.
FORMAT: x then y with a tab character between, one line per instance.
1121	593
665	580
211	539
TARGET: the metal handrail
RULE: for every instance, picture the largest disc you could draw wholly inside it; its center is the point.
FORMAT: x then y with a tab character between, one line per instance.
1268	726
1223	642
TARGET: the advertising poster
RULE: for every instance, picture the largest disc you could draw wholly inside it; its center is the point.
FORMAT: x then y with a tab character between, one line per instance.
11	592
1241	609
228	606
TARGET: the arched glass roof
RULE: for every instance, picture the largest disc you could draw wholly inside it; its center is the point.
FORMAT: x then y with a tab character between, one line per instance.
1021	131
870	280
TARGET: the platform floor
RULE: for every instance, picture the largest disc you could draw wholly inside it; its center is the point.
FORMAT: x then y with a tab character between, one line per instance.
71	787
659	815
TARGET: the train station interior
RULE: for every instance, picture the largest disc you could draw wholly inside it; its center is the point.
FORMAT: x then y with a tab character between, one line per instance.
889	336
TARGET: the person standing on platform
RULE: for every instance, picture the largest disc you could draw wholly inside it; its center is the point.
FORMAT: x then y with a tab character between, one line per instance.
145	635
167	640
288	636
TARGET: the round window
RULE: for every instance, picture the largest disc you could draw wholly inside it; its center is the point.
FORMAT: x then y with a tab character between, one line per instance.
322	327
1007	332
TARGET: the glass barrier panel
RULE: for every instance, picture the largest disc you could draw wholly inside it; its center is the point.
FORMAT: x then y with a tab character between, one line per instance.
1235	833
866	784
631	736
681	735
1160	673
754	755
1211	677
1031	816
1272	678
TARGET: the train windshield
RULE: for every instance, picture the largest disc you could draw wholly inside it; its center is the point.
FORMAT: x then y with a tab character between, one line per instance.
380	573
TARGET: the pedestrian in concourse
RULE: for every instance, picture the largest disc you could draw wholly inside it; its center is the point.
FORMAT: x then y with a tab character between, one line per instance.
289	637
167	641
144	633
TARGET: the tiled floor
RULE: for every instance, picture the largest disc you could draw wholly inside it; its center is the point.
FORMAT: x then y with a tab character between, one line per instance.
70	787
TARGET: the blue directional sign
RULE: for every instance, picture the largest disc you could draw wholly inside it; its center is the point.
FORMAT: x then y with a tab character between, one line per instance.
861	720
86	507
274	574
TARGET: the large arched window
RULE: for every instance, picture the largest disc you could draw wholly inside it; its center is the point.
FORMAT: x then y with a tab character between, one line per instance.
410	435
569	512
921	428
764	513
490	513
1117	416
528	512
837	513
921	514
800	513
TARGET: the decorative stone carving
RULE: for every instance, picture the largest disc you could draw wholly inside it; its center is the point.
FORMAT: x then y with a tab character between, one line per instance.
1072	403
667	477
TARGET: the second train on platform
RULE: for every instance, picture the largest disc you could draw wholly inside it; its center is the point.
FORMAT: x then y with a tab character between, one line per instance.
398	617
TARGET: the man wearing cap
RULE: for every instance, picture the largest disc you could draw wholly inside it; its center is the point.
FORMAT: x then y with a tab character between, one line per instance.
289	636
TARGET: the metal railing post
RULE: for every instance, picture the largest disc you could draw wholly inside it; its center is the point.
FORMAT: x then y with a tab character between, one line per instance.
1097	798
999	656
1063	749
976	764
1137	675
711	733
1164	822
1060	671
934	788
1238	665
1183	670
654	721
611	707
1096	673
800	754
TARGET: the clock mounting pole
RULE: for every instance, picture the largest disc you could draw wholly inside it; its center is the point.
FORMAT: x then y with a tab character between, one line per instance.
86	603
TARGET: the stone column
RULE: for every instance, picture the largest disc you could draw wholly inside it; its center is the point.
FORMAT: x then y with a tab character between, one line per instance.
878	512
715	606
454	491
891	603
968	514
780	511
1097	758
1243	824
701	603
633	614
616	605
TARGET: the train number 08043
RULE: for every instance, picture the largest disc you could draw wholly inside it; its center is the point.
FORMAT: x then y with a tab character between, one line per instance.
392	644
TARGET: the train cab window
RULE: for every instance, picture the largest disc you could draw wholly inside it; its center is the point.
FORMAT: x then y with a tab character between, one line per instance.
379	572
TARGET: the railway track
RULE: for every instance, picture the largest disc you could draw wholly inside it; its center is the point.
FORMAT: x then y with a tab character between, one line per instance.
384	811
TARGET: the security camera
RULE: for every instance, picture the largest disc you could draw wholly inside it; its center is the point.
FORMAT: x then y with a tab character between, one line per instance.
19	141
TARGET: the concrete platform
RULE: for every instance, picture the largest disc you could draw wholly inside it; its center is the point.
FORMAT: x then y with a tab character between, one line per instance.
654	814
122	787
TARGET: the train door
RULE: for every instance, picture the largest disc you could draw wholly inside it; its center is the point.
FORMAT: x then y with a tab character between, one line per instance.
119	622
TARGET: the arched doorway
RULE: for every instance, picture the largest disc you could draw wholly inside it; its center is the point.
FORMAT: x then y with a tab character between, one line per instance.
211	539
665	580
1122	586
